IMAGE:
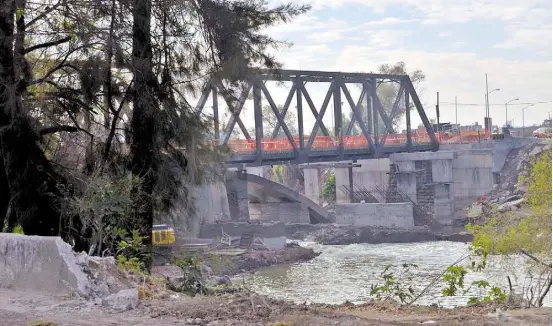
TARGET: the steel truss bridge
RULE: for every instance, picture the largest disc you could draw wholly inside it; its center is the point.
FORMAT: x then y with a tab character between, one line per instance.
266	148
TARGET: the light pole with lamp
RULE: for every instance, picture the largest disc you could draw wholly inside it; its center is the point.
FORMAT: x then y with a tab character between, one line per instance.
487	120
506	119
529	105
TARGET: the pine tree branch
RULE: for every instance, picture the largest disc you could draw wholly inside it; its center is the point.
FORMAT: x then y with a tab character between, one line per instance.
54	129
48	44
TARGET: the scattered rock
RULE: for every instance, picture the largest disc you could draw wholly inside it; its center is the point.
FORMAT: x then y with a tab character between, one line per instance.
123	300
223	280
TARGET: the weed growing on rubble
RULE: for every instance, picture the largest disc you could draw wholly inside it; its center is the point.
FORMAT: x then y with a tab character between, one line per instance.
193	281
132	253
396	288
18	230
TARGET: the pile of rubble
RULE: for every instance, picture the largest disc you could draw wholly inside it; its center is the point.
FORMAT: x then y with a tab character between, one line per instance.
49	265
508	194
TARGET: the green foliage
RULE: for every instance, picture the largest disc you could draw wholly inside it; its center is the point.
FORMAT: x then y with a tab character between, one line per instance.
506	235
193	281
329	189
18	230
279	173
454	278
132	253
105	207
494	294
395	287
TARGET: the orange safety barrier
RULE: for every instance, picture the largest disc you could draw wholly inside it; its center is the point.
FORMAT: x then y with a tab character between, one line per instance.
327	142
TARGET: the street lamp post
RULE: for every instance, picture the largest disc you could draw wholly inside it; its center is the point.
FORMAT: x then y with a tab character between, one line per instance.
487	124
506	119
529	105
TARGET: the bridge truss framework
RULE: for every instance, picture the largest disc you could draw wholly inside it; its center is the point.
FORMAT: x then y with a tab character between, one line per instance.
302	150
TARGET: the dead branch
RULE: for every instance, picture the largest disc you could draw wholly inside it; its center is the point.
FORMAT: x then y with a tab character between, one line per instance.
527	254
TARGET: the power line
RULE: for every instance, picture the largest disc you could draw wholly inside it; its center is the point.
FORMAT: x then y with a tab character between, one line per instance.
502	104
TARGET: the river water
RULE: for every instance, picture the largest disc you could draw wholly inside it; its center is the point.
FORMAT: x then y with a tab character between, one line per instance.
345	273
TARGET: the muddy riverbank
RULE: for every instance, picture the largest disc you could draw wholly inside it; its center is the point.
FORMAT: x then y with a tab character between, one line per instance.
333	234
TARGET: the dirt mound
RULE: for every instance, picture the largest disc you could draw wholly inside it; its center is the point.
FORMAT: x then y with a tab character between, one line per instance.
516	165
508	194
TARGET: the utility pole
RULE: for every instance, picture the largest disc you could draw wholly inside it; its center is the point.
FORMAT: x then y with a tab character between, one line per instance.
487	104
456	122
438	113
456	110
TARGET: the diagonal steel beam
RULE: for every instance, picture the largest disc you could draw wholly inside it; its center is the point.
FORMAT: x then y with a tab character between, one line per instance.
422	114
395	108
204	96
353	118
235	111
356	111
284	110
312	107
278	116
320	116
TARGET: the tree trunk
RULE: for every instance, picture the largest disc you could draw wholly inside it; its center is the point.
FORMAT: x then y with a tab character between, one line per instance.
143	117
27	175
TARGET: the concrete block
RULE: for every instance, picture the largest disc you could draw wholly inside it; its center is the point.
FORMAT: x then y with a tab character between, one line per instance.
280	212
442	192
408	184
405	166
40	264
383	215
442	170
275	243
380	164
313	186
443	212
422	156
236	229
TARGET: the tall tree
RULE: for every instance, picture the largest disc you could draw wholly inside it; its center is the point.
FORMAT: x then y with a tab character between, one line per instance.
270	121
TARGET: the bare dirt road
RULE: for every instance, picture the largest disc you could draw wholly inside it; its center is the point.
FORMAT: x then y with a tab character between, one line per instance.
20	308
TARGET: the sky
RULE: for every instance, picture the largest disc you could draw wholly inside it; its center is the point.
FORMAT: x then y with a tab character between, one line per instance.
454	42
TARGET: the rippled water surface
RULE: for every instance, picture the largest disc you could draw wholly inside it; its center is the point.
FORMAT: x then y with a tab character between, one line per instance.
343	273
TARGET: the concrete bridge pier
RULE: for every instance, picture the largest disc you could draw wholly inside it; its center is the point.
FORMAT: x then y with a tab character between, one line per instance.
370	173
237	192
313	184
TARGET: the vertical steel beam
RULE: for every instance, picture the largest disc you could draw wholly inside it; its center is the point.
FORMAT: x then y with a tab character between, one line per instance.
374	96
350	179
299	102
215	110
368	100
407	118
258	120
337	96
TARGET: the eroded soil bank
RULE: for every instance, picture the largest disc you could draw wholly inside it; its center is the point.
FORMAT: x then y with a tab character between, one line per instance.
23	308
333	234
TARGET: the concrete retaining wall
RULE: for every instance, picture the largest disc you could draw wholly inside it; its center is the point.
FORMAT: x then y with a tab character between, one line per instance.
281	212
472	176
40	264
384	215
371	173
212	231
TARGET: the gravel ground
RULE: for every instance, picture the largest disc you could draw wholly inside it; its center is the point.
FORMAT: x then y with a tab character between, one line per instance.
23	308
